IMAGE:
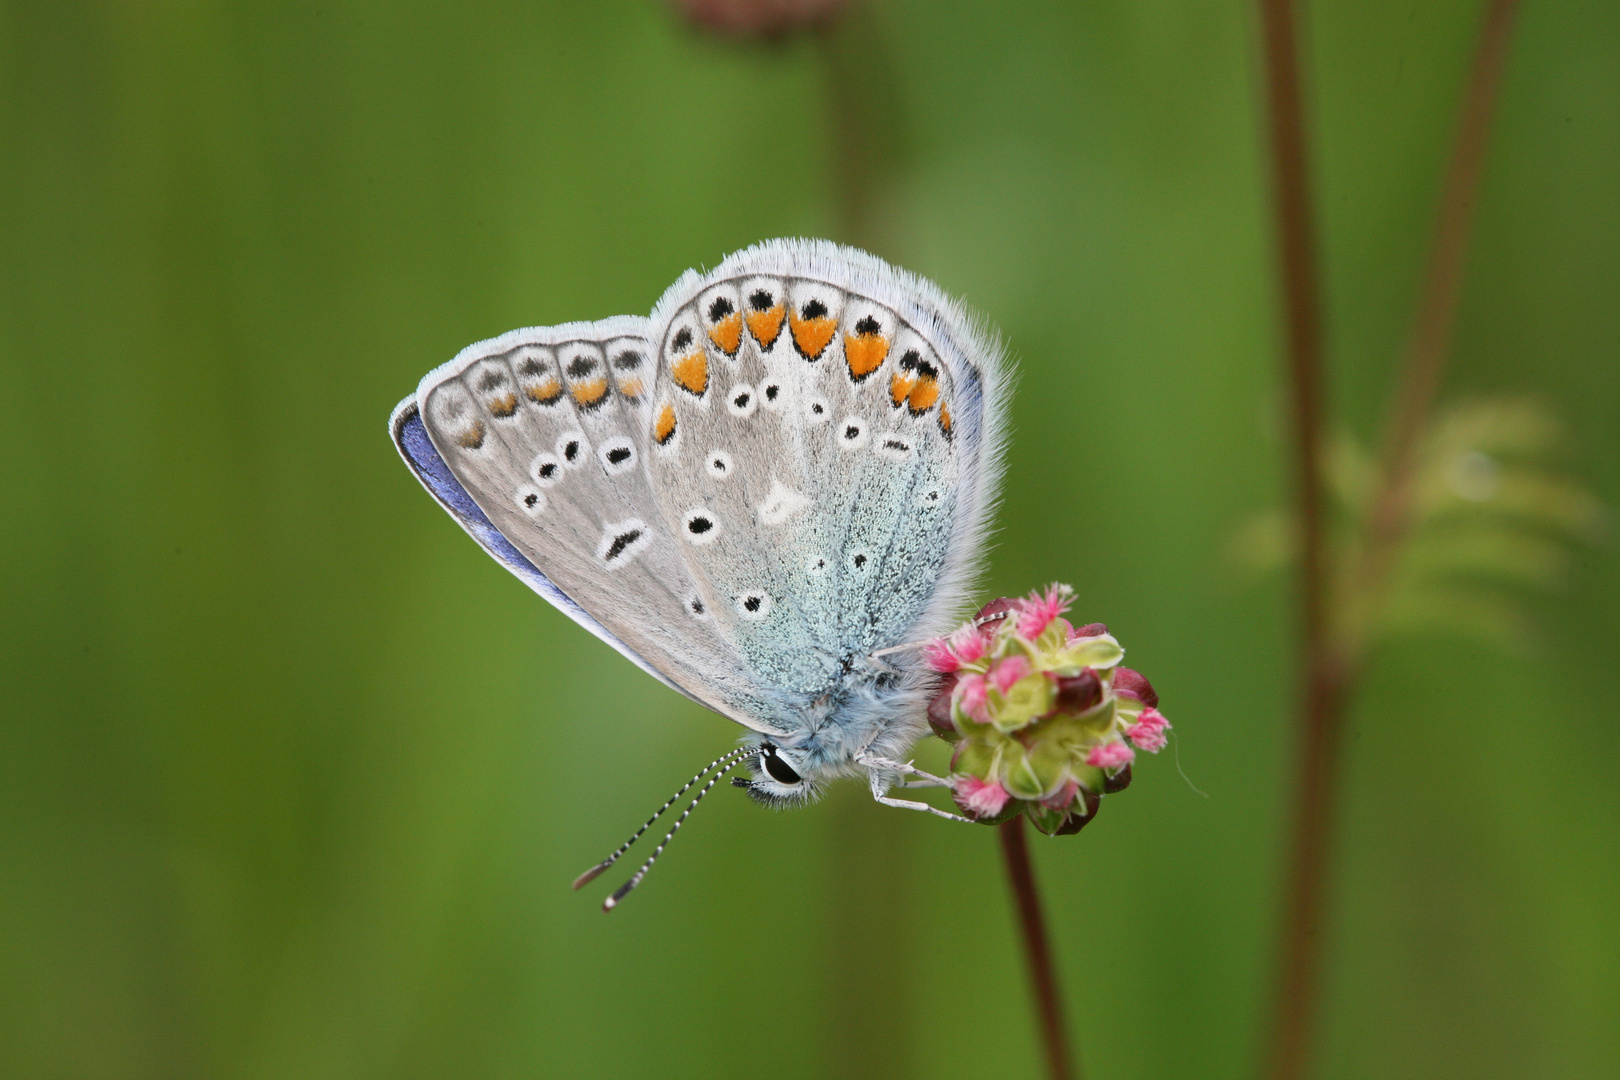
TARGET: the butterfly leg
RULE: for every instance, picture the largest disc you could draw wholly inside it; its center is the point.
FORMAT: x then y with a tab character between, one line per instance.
916	778
880	789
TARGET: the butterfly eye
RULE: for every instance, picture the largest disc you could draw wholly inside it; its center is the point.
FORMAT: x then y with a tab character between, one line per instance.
780	771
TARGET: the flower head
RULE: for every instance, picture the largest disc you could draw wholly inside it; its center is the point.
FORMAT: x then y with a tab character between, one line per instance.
1043	718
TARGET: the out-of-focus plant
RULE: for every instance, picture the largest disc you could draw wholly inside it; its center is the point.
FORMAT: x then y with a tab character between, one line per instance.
1488	517
758	18
1460	506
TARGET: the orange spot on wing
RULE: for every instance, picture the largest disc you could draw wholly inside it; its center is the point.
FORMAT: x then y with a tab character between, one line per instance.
547	392
924	394
473	437
900	388
630	388
505	405
590	392
727	333
692	372
664	424
765	325
811	335
944	418
865	353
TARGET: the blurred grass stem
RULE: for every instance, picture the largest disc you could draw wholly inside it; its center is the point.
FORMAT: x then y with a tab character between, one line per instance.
1323	673
1427	348
1037	949
1329	659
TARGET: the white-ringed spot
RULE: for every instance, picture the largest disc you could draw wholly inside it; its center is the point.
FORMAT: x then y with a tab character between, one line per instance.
701	526
773	396
852	433
754	606
816	410
622	541
618	455
742	401
531	500
571	448
893	446
718	465
546	469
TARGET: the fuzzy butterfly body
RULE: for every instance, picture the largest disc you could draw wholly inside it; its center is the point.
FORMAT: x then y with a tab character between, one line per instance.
785	469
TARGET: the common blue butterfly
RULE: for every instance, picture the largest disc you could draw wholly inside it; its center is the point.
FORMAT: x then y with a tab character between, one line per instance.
764	494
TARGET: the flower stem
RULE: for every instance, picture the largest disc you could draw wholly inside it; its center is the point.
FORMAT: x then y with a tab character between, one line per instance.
1323	672
1037	949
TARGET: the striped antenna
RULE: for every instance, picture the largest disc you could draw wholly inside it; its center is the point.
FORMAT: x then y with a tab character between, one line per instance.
635	879
591	874
907	645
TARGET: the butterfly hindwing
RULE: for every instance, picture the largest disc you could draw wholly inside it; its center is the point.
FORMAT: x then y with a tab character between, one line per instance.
840	440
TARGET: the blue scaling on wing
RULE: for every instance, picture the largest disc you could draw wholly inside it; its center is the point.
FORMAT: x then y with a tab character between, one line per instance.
416	448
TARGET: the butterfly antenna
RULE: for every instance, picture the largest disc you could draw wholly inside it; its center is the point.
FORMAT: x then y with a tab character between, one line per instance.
591	874
905	646
635	879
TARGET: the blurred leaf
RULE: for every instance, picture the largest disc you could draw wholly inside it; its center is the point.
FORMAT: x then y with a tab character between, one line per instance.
1489	514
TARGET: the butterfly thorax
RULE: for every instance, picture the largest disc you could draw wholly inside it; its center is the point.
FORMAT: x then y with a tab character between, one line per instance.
873	715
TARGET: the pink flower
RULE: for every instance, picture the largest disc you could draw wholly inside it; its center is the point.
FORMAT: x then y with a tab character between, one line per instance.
978	797
970	643
939	656
1148	731
966	645
1064	797
1007	672
1036	612
1110	755
971	697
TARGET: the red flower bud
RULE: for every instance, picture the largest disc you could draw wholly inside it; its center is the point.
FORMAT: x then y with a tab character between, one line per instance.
1078	693
1131	682
939	710
1118	781
995	607
1076	822
1095	629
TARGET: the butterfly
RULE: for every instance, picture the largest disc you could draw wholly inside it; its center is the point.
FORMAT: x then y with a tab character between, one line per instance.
767	495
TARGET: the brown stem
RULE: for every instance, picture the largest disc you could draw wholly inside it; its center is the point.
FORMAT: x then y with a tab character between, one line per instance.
1323	695
1037	950
867	128
1429	343
1328	664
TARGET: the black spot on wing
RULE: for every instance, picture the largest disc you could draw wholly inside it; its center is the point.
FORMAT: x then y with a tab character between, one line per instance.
620	542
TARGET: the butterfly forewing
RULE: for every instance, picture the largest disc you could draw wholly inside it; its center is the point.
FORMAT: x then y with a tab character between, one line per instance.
545	435
787	468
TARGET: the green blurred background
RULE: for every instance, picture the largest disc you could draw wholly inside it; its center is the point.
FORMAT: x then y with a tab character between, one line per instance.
293	778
